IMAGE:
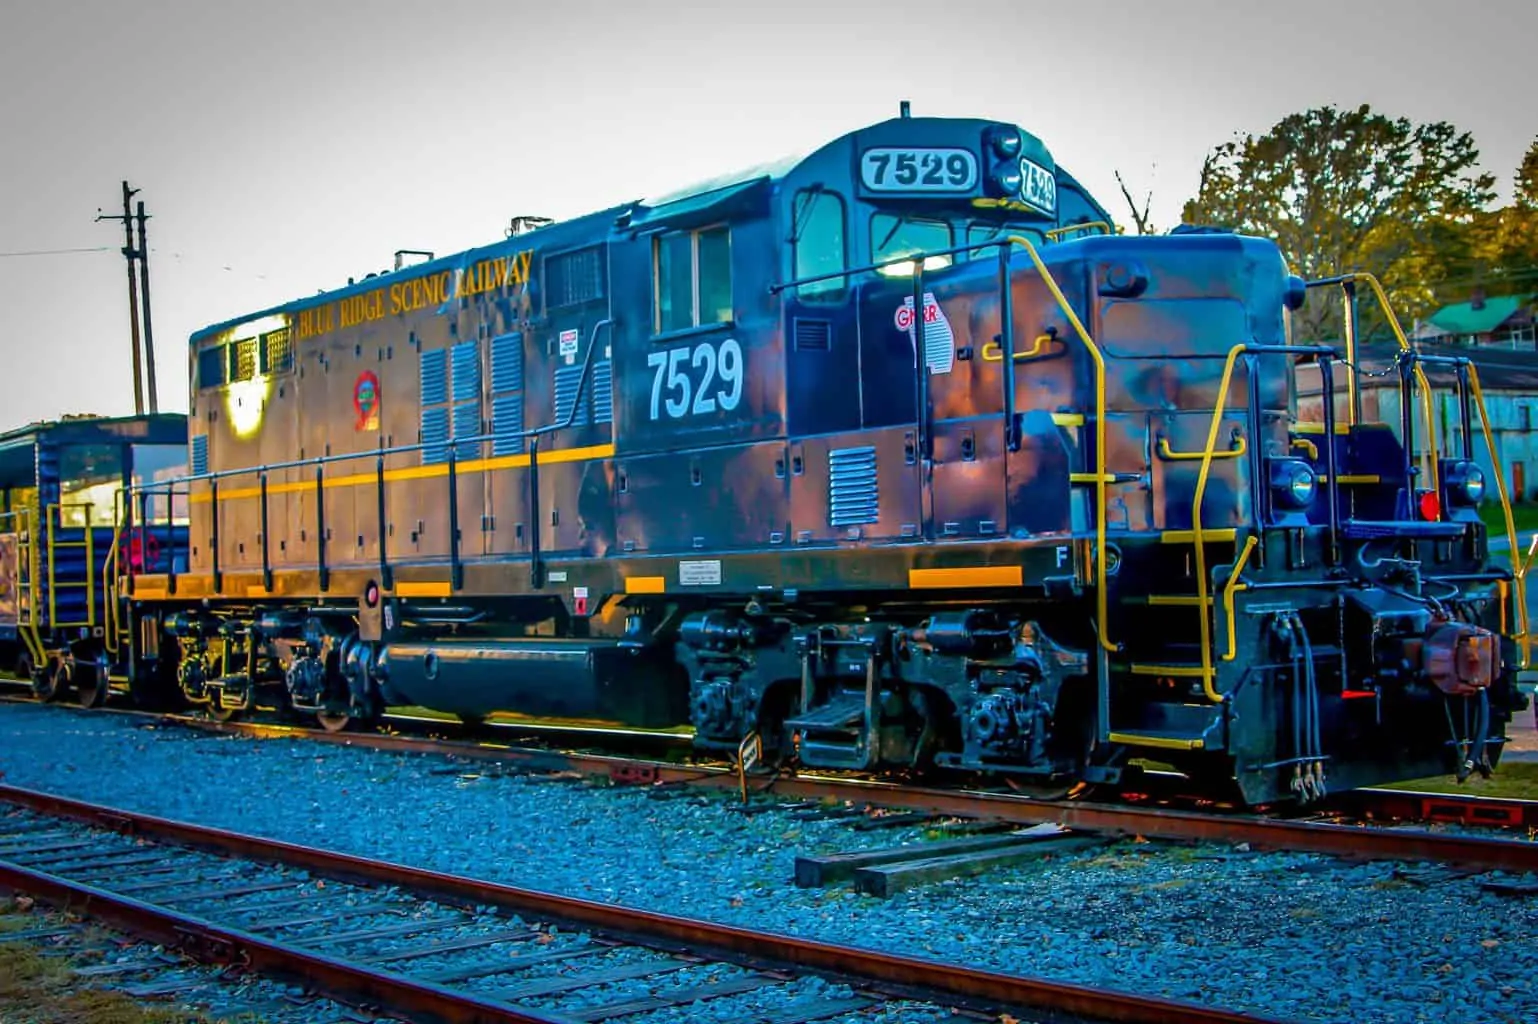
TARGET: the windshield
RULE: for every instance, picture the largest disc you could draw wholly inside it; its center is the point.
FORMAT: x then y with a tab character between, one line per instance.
892	236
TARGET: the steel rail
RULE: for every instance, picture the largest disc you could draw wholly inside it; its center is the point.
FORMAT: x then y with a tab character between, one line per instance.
1344	840
208	942
902	973
1482	852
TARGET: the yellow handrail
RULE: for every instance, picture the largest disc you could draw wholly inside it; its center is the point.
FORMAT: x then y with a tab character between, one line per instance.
1057	233
1229	589
1519	564
1432	441
1101	476
1166	452
1208	454
26	625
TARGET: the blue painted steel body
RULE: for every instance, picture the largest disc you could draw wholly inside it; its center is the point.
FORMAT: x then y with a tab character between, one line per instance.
888	454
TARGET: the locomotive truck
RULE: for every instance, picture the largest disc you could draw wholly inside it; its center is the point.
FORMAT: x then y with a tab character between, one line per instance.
892	457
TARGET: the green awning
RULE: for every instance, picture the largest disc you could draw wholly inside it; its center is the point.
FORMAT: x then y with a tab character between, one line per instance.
1463	318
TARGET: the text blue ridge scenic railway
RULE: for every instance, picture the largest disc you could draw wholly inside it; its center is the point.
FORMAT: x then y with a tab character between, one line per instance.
691	461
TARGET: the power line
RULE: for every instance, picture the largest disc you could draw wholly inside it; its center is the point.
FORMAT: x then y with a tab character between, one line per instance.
58	252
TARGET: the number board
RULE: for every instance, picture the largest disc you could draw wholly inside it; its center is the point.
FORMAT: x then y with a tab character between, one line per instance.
898	169
696	380
1038	187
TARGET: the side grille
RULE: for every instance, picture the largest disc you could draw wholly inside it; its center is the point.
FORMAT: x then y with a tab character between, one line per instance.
507	418
435	434
435	377
813	335
507	363
467	372
199	454
852	491
567	379
467	423
603	392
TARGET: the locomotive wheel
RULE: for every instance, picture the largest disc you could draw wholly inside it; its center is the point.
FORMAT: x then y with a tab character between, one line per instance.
91	687
333	721
218	713
49	685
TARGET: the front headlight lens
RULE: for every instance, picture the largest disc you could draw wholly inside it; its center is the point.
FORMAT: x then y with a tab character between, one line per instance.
1465	483
1294	482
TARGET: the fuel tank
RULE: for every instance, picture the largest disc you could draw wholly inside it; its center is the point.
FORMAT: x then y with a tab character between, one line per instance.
590	679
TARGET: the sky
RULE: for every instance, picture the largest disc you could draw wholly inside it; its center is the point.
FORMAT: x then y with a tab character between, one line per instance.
282	147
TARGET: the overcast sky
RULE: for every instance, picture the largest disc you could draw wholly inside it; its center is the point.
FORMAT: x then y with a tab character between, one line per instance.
283	146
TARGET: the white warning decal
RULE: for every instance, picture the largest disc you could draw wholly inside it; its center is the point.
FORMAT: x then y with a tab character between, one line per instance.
939	340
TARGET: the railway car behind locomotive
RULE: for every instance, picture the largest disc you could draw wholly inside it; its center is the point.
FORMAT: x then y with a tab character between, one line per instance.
892	456
65	542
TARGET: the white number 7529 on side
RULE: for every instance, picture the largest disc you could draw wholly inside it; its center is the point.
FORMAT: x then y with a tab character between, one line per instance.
693	382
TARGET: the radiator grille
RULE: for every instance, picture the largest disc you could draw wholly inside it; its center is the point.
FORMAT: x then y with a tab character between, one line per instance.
507	363
603	392
199	454
813	335
567	379
507	418
467	374
852	492
435	377
435	434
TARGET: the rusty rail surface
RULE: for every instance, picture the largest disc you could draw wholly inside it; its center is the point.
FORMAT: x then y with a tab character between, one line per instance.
908	975
1345	840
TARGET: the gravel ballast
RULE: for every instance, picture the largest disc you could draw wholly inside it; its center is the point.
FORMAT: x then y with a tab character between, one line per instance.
1298	936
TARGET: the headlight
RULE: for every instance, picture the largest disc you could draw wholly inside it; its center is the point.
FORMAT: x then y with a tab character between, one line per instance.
1006	141
1293	482
1465	483
1008	178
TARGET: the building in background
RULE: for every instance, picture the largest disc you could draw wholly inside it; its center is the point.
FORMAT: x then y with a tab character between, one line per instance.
1508	378
1504	321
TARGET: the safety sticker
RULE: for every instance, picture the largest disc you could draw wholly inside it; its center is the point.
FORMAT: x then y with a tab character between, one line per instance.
569	346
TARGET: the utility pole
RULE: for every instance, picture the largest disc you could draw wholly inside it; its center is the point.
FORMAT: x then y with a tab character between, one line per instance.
144	285
130	254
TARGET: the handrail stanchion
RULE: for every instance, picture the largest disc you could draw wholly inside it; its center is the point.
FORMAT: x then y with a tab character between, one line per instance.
1331	456
385	580
266	550
1007	350
456	570
213	531
322	572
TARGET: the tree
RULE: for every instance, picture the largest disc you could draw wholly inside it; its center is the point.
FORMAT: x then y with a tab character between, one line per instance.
1140	215
1349	190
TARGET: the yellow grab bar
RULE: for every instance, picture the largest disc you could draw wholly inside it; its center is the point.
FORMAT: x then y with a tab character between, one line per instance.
1166	452
1519	564
1208	454
994	353
1229	589
1057	233
1420	376
1100	473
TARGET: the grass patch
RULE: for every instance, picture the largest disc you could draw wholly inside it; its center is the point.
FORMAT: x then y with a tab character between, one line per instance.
1525	515
1514	780
42	989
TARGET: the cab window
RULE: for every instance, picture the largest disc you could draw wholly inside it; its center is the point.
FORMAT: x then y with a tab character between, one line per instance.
817	234
892	236
693	276
984	232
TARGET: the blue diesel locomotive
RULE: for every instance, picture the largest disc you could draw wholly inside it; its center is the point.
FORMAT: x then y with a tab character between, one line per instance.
892	457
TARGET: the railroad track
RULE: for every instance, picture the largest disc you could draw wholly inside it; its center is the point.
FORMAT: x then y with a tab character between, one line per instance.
1321	833
431	946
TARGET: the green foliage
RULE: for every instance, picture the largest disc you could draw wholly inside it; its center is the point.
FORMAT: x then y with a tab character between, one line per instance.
1350	190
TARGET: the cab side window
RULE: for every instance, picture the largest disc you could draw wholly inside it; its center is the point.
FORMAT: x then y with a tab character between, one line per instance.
818	233
693	276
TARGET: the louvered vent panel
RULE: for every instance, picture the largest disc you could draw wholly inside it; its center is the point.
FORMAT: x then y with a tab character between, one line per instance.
507	363
852	495
467	372
467	423
507	418
435	434
435	377
813	335
199	454
603	392
567	379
